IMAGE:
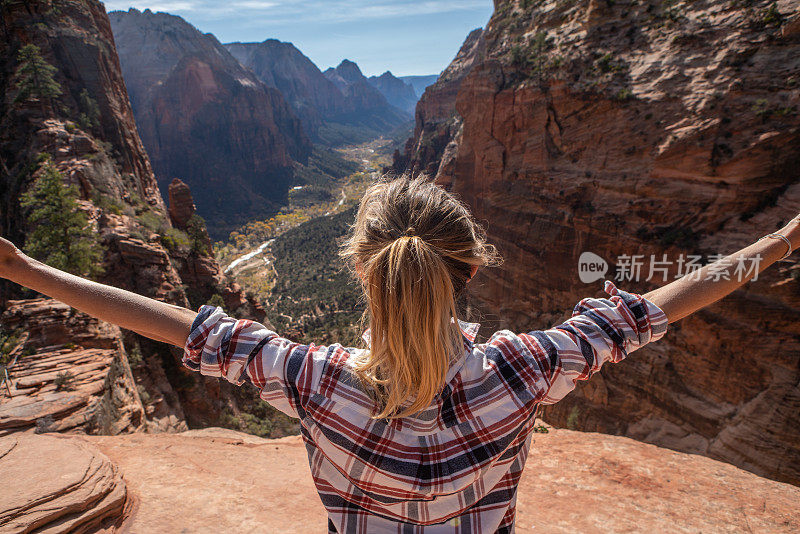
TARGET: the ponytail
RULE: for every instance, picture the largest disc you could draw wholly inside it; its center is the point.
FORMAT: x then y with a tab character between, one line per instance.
413	246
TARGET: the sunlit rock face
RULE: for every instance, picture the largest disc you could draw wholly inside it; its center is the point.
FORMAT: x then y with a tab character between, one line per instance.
638	129
70	373
206	119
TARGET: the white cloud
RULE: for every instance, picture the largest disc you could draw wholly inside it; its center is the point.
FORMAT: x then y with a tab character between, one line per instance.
283	11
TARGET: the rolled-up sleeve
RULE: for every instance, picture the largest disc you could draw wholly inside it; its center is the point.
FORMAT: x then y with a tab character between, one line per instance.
600	330
243	351
542	366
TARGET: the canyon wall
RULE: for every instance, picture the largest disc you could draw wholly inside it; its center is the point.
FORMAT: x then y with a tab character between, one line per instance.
638	128
87	130
207	120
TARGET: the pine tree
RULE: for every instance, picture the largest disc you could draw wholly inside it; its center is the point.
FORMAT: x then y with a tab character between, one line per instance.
198	235
90	114
61	235
34	77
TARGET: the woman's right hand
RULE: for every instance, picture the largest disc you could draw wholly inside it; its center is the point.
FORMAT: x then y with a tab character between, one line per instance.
11	258
792	232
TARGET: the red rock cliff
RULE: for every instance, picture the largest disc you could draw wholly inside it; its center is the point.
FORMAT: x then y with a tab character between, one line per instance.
640	128
103	157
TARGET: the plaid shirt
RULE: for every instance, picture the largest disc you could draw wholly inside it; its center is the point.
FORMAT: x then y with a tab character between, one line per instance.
453	467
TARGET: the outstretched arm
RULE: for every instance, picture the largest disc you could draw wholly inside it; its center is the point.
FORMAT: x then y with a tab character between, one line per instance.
691	293
148	317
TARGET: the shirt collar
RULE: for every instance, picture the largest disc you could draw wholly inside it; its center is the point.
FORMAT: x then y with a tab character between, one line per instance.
468	332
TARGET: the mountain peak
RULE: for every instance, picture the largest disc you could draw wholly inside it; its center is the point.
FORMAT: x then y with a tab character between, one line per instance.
349	71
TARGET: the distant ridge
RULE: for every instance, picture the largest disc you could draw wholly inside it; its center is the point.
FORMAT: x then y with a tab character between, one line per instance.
396	91
336	107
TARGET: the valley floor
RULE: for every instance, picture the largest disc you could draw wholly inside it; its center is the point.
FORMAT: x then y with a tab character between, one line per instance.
288	263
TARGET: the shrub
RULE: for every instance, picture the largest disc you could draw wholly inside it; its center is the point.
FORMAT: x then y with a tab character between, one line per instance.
152	221
106	203
216	300
198	235
572	418
8	341
143	394
607	63
623	94
771	15
44	424
90	111
174	239
761	108
135	358
64	380
34	77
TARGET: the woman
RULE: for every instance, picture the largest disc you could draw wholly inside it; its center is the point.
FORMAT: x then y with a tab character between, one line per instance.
424	430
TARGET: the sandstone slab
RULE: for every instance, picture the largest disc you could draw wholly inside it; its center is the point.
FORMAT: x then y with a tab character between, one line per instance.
55	484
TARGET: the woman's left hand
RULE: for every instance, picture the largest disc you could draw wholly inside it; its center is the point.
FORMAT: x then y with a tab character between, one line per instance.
11	258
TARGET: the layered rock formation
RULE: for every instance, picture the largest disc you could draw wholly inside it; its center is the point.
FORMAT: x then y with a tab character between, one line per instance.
216	480
396	91
89	132
71	373
53	484
639	128
207	120
436	120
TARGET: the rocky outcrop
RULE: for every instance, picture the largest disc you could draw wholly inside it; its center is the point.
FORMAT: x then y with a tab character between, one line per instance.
207	120
70	372
644	129
53	484
200	271
396	91
181	203
587	480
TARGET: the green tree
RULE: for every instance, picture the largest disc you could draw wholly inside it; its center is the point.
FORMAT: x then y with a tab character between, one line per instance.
198	235
90	111
34	77
61	235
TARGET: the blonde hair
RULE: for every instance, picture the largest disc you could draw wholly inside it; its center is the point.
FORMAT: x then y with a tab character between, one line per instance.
413	246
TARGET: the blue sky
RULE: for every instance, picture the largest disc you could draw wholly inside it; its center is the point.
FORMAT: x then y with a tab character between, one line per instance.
404	36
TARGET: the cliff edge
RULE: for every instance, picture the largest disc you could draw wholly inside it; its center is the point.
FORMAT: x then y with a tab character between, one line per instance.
217	480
